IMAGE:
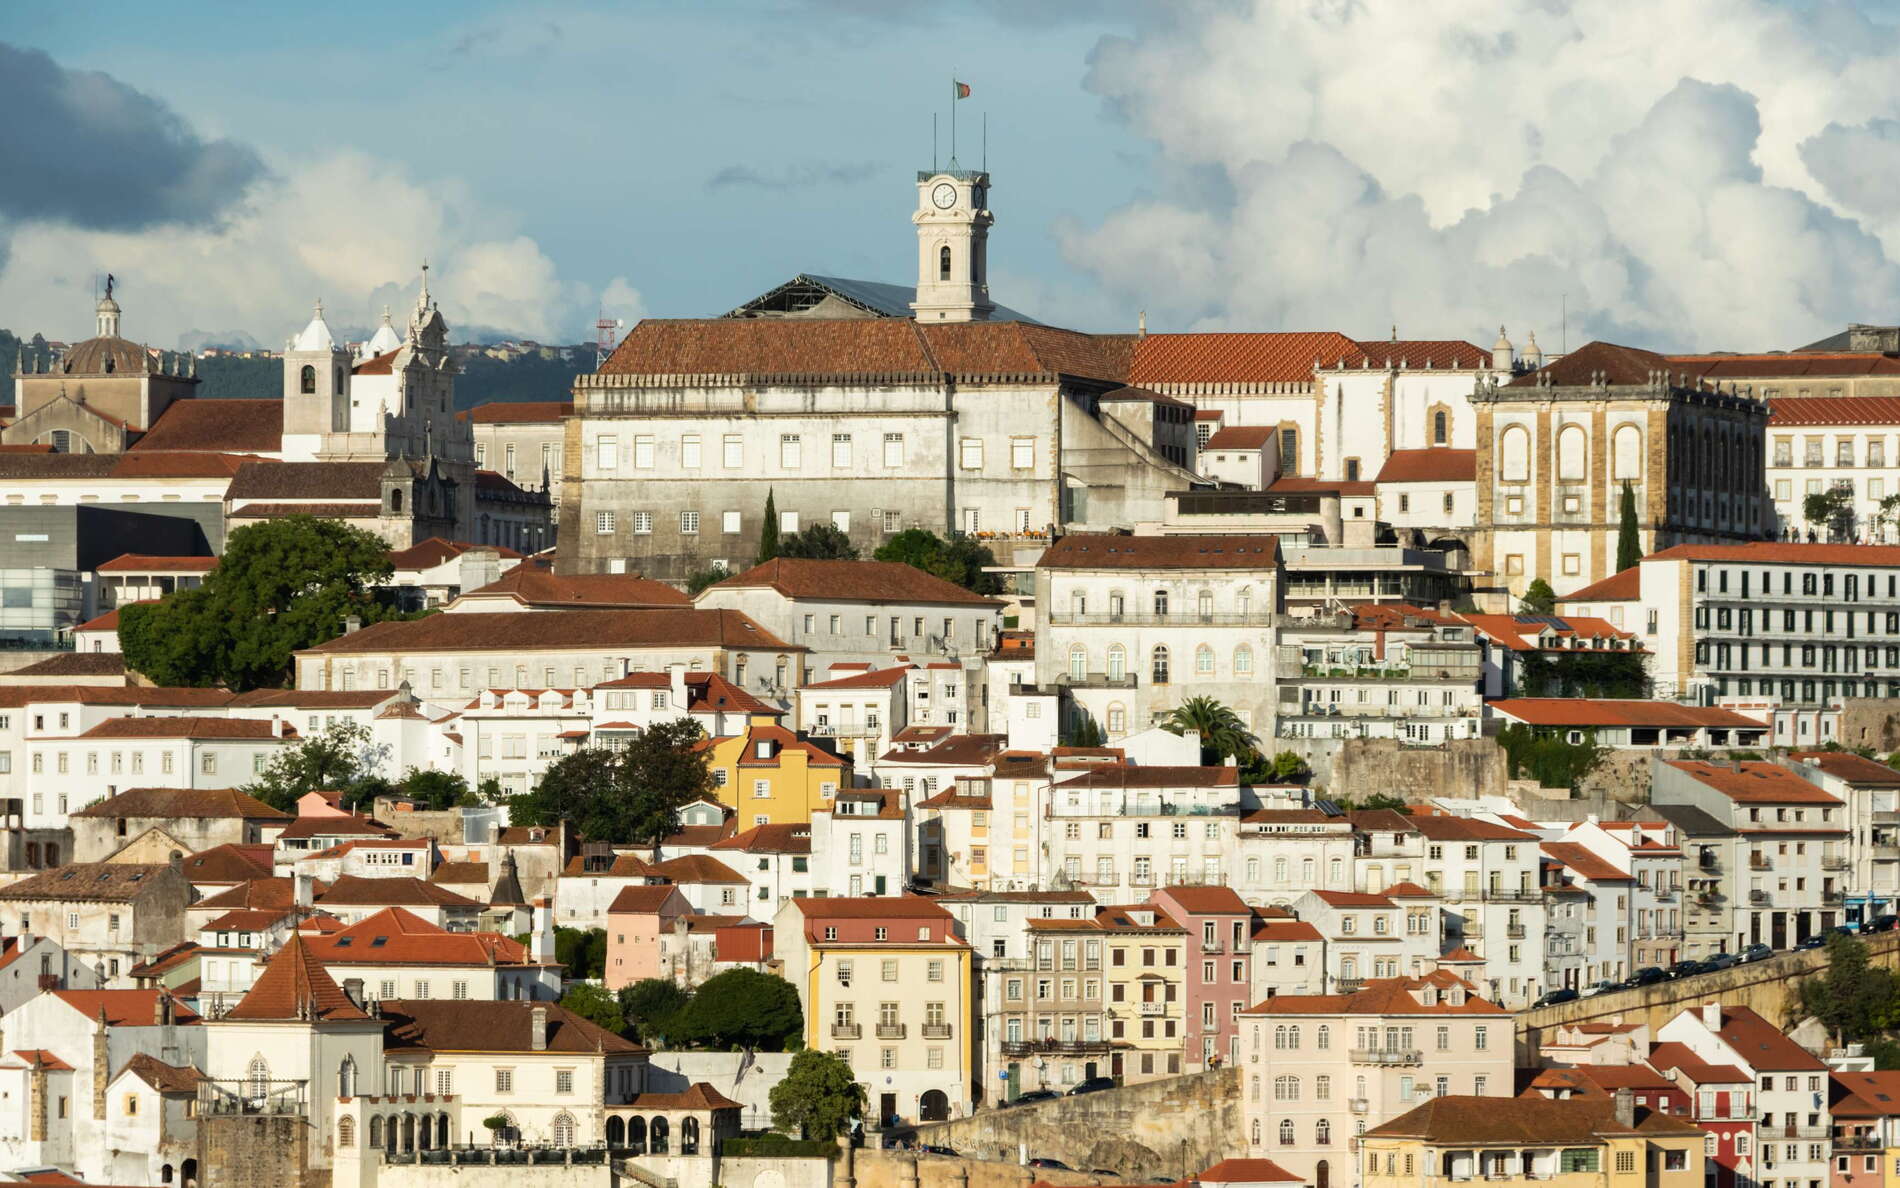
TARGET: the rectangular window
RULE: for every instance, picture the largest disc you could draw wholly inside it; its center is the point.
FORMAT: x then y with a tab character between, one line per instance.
893	451
788	451
733	447
563	1080
788	521
970	453
841	450
689	451
604	523
504	1080
643	452
1022	453
729	523
642	523
689	523
606	452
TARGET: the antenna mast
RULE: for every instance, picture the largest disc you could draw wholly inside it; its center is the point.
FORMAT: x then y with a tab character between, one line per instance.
604	337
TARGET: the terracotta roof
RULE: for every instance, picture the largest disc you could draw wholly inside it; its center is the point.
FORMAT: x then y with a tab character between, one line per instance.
1525	1121
242	920
70	664
697	868
87	882
295	986
41	1058
329	826
314	698
182	802
461	873
1522	633
1238	358
698	1096
1248	1171
383	364
309	480
1241	437
1772	552
1762	1045
224	426
1789	365
1754	782
426	554
1866	1094
179	465
1205	901
1386	996
1788	411
1701	1072
883	678
1586	863
1291	817
276	894
1591	711
357	891
1619	365
625	864
879	907
585	630
1449	354
1441	828
1127	775
783	838
166	1078
853	581
328	511
235	729
1855	769
1429	466
705	691
110	620
124	1008
152	563
641	899
1353	898
1294	483
533	585
1626	586
951	798
471	1025
1399	616
517	412
958	750
1086	551
394	936
1602	1079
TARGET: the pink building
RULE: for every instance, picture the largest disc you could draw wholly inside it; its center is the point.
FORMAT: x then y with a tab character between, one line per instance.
1219	975
636	920
1866	1111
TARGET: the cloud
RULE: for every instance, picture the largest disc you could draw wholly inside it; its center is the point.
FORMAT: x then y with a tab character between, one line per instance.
795	177
1450	166
84	149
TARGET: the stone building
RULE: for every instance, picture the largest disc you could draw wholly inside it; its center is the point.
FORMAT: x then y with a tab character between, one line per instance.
1556	447
100	396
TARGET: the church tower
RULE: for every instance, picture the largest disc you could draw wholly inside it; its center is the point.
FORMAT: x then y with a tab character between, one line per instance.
953	225
316	389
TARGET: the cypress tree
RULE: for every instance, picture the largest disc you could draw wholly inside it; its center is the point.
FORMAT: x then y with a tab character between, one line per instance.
1629	548
768	535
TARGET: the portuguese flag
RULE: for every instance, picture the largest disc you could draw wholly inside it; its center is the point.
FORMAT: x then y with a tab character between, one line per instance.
959	90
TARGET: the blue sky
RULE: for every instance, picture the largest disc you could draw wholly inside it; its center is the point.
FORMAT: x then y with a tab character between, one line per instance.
702	151
1706	174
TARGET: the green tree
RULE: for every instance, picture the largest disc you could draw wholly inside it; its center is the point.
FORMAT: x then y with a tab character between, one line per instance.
740	1008
1288	768
582	950
1853	998
1083	731
1378	800
823	541
1551	761
650	1005
1539	599
1832	510
818	1096
768	534
437	789
595	1004
343	757
1888	516
699	579
280	586
1223	735
633	794
960	559
1629	541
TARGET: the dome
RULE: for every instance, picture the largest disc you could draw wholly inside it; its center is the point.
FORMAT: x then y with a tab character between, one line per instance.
316	336
1503	343
105	355
384	340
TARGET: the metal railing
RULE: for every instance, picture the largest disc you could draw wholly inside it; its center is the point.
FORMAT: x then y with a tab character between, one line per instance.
253	1097
848	1031
1834	862
936	1031
1058	1047
1806	1130
1386	1056
1760	862
1149	619
891	1030
1758	897
510	1156
1154	1008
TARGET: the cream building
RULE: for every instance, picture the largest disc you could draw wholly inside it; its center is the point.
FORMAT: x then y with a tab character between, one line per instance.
1317	1071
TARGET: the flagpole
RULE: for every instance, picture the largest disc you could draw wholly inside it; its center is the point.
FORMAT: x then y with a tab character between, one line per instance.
953	120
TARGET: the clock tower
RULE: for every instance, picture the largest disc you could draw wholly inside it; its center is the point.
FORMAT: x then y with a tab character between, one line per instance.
953	226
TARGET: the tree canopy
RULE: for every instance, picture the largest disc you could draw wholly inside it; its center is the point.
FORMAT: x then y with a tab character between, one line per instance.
768	532
1223	735
823	541
741	1008
650	1005
1629	538
959	559
818	1096
281	585
1549	760
1857	1001
343	757
595	1004
1539	599
1832	511
632	794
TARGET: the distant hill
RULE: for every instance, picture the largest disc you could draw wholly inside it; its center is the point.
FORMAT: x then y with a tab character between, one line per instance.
524	377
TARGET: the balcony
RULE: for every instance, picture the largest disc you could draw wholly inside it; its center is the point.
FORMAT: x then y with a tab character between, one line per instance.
1859	1142
1760	862
1348	985
1154	1008
1095	680
1664	895
1358	1105
1803	1130
937	1031
1387	1057
891	1030
1708	861
1210	946
1145	619
1759	898
1834	862
846	1031
1055	1047
1514	931
844	730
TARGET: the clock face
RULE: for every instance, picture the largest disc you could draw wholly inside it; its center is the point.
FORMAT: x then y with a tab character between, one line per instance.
945	195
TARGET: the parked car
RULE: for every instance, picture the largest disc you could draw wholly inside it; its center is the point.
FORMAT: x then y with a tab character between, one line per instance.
1688	969
1817	941
1034	1095
1557	996
1722	961
1883	924
1649	975
933	1149
1756	952
1603	987
1093	1085
1102	1171
1052	1164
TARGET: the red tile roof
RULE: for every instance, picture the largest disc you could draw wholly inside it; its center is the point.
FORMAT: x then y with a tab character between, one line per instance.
1618	365
1239	358
1626	586
469	1025
1429	466
357	891
294	986
1288	484
882	907
1527	1121
1754	782
1772	552
517	412
642	900
883	678
1248	1171
397	937
1762	1045
124	1008
1789	365
532	585
1087	551
183	802
1127	775
1521	633
584	630
234	729
151	563
1589	711
1447	354
1788	411
223	426
1205	901
784	838
41	1058
1386	996
853	581
1855	769
434	551
1241	437
1699	1071
1575	856
697	868
1442	828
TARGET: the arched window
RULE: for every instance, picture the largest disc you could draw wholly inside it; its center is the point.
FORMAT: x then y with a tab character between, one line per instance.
1161	602
616	1131
562	1131
943	263
1158	667
1253	870
1253	1087
346	1077
1514	454
339	381
1293	1038
1571	444
1286	1130
257	1077
1256	1132
1286	1088
1309	868
1323	1038
62	441
1204	660
165	1174
637	1134
1279	870
1627	451
1243	661
501	1134
307	380
689	1136
1117	718
376	1130
1323	1133
1441	427
1078	662
1279	1039
346	1132
1117	662
656	1137
1334	869
395	499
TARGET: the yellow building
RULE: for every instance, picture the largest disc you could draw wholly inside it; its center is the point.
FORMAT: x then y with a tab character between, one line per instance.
1577	1142
1144	991
773	777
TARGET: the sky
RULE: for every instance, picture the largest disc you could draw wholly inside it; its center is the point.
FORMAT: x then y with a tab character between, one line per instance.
1677	174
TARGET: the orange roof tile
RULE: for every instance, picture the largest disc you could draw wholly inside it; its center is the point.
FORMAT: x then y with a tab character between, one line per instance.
294	986
853	581
1626	586
1439	465
1593	711
1239	358
1754	782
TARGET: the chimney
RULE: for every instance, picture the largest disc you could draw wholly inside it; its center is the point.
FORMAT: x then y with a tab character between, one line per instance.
1712	1016
352	623
676	684
538	1021
1625	1107
304	892
541	938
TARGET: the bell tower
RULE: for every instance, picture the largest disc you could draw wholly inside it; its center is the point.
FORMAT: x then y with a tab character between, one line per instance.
953	225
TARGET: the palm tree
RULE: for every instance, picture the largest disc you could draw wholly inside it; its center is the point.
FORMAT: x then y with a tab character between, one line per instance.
1222	733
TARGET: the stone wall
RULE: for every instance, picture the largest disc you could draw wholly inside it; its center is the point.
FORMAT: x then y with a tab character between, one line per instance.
1622	776
902	1169
757	1172
1170	1127
248	1150
1365	767
1869	722
1765	987
745	1078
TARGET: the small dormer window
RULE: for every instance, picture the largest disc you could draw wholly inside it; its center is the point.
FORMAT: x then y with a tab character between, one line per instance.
762	750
